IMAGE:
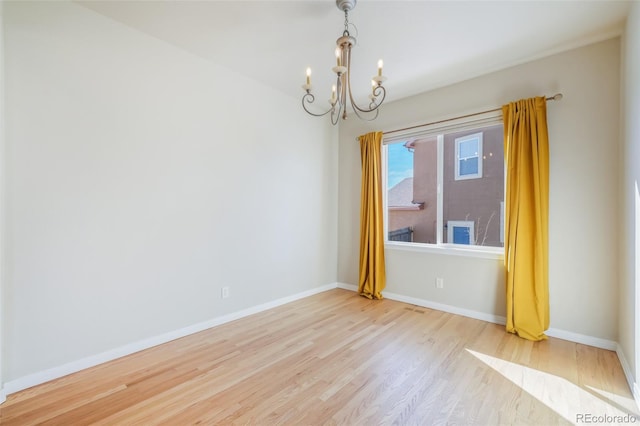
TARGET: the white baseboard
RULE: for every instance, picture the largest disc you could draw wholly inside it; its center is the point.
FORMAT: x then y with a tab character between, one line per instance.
496	319
435	305
628	374
347	286
597	342
91	361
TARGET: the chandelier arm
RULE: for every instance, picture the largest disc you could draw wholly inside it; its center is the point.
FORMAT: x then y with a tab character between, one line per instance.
373	106
309	98
357	109
335	117
377	91
335	114
362	117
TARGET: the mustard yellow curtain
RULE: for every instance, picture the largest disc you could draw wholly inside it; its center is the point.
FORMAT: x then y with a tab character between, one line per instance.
526	153
372	278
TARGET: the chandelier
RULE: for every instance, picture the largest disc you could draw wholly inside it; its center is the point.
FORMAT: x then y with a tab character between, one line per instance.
341	91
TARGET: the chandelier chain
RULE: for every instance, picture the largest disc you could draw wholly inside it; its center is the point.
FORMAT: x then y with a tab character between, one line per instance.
346	24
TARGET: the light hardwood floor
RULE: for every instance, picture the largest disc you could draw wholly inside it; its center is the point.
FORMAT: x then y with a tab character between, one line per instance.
337	358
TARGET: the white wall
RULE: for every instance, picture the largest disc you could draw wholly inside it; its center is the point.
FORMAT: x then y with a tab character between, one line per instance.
584	139
140	180
630	197
2	202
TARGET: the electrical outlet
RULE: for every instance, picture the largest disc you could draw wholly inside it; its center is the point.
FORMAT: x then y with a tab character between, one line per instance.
439	282
225	292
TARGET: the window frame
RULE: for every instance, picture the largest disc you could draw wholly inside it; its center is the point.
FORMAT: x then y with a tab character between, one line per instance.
438	130
459	141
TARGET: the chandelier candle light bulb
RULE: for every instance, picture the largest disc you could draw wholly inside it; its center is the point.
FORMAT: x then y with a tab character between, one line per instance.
341	100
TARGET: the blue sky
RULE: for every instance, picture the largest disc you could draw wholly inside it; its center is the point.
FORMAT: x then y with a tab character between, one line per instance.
400	163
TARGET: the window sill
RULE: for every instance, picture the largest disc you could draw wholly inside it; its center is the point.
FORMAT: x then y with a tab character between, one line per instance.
495	253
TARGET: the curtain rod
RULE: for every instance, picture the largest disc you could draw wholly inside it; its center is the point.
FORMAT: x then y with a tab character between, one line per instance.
555	97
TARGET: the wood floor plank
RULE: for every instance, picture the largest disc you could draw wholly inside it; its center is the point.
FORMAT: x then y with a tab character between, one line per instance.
338	359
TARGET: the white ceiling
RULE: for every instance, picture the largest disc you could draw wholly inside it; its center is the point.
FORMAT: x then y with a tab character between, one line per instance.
424	44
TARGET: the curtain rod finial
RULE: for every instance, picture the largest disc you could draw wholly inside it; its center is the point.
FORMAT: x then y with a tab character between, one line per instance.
557	96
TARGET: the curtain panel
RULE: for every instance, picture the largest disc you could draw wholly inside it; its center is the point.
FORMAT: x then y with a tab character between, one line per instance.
526	152
372	277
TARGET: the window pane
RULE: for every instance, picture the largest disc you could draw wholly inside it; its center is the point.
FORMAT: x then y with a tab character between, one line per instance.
469	208
461	235
400	163
469	148
469	166
411	193
476	200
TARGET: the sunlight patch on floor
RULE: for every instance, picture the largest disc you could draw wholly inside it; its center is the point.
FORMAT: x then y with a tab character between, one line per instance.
624	402
565	398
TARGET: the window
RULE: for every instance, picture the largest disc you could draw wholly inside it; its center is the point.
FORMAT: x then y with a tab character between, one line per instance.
446	187
468	159
460	232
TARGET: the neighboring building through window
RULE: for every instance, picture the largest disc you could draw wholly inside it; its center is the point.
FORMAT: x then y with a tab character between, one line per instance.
468	162
447	188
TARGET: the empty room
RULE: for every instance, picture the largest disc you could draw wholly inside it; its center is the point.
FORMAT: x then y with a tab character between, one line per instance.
319	212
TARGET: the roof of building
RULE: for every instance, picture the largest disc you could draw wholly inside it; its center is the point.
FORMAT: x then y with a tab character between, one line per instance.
400	196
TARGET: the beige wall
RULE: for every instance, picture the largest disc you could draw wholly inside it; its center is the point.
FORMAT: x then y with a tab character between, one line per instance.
629	222
583	131
138	184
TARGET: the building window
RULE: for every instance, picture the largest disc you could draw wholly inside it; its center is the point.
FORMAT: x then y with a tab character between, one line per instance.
433	190
468	159
461	232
